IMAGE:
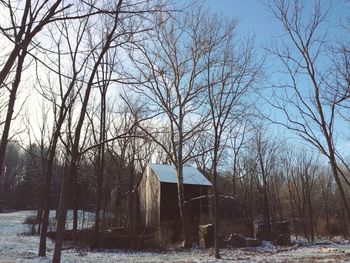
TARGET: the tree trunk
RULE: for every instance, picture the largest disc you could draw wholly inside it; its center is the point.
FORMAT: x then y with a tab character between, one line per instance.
311	217
216	217
234	185
132	201
49	174
327	218
10	109
100	164
75	209
186	230
46	208
341	190
265	196
39	217
215	193
62	209
98	212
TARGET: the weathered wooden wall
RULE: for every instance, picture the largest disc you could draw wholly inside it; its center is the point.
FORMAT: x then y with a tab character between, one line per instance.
149	196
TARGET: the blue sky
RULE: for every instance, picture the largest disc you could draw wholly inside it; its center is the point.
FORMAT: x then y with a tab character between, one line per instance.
255	17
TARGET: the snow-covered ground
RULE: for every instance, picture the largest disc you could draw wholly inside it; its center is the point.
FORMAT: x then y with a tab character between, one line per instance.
17	247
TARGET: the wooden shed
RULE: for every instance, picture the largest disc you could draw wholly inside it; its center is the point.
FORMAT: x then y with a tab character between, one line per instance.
159	200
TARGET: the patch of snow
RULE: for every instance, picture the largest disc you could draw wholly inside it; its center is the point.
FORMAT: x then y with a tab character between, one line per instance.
16	247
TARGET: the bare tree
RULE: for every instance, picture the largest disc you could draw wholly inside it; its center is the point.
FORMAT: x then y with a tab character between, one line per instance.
305	100
231	73
265	150
62	98
26	19
326	181
171	67
39	140
62	211
126	19
104	79
302	170
307	175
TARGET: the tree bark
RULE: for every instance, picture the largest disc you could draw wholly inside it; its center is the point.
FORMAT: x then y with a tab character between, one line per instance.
62	209
215	202
186	229
10	108
75	208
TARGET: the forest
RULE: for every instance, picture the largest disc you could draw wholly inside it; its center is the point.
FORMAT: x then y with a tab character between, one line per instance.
91	92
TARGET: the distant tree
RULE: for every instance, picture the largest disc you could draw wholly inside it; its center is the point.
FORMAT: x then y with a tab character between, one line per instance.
13	172
265	152
34	166
325	183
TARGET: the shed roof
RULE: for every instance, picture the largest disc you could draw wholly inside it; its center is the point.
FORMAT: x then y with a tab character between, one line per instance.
166	174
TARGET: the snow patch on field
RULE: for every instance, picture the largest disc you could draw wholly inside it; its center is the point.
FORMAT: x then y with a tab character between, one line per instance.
17	247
